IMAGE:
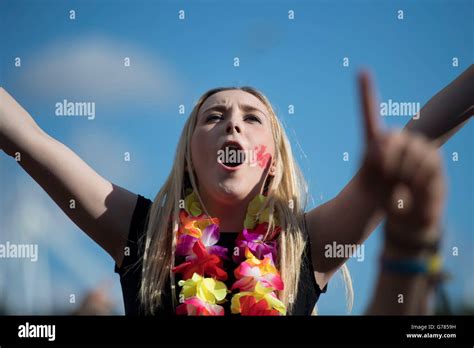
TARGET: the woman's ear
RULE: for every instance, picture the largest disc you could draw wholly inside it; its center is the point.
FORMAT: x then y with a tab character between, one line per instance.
272	170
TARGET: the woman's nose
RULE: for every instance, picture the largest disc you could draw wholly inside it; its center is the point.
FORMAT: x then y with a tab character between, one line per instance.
231	127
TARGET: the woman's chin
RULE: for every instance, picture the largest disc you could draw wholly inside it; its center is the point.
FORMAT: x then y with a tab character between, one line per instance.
231	192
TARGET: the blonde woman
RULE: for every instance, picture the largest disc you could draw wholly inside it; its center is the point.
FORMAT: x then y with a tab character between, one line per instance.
230	234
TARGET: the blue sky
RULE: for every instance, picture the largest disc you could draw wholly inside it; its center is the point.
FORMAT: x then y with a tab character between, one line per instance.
173	62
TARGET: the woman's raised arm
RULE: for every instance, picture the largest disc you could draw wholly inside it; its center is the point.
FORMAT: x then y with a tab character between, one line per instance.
448	111
98	207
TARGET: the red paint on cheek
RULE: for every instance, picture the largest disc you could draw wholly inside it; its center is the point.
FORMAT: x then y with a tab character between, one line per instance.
262	157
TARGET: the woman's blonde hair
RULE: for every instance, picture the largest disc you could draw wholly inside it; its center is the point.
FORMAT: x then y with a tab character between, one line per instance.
287	199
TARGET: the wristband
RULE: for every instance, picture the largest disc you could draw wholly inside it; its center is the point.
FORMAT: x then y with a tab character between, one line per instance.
430	266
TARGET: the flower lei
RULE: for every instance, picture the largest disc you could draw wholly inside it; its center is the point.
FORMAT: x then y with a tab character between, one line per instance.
257	278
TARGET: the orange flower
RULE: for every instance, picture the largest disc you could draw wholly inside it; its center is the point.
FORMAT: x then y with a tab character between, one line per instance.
194	226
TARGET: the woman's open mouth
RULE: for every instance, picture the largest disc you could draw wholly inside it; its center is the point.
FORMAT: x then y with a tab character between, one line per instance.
231	155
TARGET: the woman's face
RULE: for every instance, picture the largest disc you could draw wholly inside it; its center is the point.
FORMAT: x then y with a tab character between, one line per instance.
232	146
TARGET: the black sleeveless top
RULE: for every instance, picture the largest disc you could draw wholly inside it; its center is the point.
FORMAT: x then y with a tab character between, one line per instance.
131	271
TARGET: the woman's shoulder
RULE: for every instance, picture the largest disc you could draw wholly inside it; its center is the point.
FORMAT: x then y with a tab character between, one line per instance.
136	231
139	219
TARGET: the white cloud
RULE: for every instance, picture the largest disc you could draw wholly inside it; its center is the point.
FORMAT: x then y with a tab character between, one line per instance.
93	68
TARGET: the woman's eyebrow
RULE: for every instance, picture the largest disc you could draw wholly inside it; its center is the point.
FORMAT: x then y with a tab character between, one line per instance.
244	107
249	108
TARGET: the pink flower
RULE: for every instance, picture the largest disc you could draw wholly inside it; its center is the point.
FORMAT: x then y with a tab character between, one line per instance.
195	306
253	270
253	240
210	236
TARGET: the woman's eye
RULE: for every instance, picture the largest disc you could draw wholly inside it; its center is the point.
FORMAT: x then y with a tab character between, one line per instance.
253	118
213	117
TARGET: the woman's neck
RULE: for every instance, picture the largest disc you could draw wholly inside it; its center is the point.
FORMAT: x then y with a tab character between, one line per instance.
231	216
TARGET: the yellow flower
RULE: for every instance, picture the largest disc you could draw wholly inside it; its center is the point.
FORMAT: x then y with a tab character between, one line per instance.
252	212
266	265
206	289
260	292
192	204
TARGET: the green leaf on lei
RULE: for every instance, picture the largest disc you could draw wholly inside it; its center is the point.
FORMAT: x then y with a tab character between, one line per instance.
192	205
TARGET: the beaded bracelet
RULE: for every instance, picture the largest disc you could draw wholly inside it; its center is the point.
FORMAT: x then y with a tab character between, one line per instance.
431	265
